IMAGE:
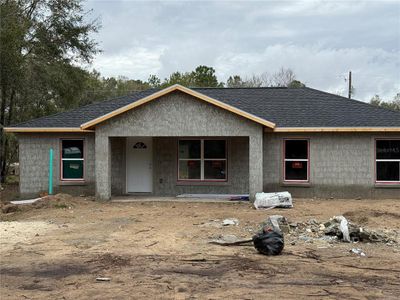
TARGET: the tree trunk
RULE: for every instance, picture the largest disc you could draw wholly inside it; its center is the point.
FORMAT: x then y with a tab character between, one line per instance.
6	145
2	137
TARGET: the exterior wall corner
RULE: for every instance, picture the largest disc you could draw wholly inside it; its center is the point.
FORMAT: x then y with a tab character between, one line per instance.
103	167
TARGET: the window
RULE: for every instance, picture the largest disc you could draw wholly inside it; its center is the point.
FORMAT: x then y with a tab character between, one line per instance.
388	161
296	160
202	160
72	160
140	145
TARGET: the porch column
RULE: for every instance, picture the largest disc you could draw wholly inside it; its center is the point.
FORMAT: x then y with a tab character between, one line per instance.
255	165
103	167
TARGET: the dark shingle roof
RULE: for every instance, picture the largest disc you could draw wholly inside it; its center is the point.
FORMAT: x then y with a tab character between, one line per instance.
303	107
78	116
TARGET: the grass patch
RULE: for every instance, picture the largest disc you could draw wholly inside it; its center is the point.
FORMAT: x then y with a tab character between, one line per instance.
61	205
12	179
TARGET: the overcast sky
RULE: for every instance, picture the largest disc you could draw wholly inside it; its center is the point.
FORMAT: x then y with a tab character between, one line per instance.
319	40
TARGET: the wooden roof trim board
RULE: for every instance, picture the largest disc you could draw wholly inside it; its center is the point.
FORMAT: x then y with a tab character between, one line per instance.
278	129
45	129
183	89
335	129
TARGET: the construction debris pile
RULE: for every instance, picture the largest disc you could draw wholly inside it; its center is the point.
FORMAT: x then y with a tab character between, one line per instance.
336	229
277	230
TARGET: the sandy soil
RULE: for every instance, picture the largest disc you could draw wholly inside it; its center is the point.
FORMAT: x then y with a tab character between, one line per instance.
160	250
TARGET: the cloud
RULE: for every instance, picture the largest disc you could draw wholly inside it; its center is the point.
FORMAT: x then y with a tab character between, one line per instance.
320	40
137	62
322	68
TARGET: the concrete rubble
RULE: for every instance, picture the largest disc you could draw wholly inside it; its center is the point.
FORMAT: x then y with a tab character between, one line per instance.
278	223
324	233
336	229
219	223
356	232
230	221
358	251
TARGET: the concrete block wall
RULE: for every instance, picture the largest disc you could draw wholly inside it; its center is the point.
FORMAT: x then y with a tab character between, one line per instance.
255	165
34	162
103	166
342	165
118	166
177	115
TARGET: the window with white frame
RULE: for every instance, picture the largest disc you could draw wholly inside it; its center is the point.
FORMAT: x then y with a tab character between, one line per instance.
296	160
388	160
202	160
72	160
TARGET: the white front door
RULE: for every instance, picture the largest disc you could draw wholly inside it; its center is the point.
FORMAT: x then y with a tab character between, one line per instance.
139	165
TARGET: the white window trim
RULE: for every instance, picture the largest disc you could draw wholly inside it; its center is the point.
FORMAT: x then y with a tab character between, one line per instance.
202	160
294	159
74	159
388	160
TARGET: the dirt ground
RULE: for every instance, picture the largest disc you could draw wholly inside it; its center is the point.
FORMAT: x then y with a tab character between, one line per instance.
9	192
160	250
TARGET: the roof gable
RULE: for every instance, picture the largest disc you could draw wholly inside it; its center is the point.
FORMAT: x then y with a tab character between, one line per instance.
185	90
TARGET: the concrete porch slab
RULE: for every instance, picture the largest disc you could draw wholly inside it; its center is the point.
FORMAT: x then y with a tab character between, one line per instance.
142	198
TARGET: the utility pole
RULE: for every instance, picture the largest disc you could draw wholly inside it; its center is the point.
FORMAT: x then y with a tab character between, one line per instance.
350	87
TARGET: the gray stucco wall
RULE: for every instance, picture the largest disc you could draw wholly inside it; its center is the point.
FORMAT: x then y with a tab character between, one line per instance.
341	166
118	166
177	115
34	160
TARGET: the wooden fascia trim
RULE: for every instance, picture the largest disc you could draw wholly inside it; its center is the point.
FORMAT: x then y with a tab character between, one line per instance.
44	129
335	129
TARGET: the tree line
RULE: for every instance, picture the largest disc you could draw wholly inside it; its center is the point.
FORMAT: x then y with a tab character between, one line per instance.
393	104
44	46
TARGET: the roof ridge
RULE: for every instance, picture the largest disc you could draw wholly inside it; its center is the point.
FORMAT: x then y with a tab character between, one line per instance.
353	100
244	87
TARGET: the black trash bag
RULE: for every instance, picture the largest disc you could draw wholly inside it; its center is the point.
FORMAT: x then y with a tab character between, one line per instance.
269	242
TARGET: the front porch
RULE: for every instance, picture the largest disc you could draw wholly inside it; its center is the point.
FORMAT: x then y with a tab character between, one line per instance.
170	166
143	198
